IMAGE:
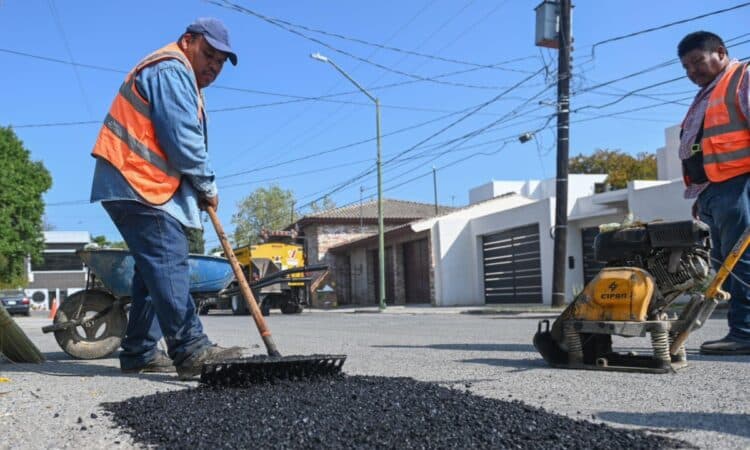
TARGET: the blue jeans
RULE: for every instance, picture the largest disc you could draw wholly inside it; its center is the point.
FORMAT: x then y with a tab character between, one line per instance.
725	207
162	304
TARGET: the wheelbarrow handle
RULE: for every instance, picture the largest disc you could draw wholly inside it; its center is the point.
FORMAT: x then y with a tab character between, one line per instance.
247	293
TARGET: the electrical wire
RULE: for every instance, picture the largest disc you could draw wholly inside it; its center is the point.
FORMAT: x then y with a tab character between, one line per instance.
229	5
667	25
276	21
64	38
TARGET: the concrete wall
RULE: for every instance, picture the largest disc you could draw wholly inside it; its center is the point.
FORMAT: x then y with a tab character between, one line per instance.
458	258
320	238
650	201
579	185
668	164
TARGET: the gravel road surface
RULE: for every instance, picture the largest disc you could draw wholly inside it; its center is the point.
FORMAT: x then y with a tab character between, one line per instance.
486	360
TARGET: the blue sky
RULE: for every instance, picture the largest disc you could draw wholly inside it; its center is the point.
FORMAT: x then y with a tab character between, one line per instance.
262	119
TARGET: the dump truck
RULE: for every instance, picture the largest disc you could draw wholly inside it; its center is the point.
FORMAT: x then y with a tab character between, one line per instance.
276	271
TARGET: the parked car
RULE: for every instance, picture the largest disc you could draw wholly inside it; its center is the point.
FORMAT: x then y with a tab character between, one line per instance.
15	302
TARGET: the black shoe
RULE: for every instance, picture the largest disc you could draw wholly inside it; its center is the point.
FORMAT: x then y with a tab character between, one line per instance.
725	346
192	366
160	364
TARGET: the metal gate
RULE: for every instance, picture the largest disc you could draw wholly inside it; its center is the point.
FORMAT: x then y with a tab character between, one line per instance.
591	266
512	266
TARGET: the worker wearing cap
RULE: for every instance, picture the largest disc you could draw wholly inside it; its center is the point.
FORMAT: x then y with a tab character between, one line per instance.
153	175
715	154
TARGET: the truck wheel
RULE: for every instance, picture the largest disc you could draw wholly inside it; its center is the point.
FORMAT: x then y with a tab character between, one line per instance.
265	305
239	307
291	308
102	337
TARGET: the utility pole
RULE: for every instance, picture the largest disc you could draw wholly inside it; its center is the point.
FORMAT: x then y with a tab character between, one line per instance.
434	186
563	121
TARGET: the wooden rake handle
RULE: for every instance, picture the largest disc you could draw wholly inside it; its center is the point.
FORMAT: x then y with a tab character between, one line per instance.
247	293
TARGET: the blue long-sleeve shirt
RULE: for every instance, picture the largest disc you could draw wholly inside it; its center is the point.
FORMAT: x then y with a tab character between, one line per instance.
168	87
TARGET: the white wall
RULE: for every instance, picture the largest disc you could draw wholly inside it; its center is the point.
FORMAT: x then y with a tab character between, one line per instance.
664	201
494	189
668	164
459	268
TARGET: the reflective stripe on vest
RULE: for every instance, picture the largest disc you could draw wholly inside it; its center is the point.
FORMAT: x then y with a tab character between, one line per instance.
726	135
127	139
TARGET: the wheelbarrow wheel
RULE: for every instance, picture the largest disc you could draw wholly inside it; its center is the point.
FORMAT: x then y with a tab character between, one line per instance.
101	337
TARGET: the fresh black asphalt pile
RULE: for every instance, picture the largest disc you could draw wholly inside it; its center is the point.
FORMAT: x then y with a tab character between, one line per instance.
358	412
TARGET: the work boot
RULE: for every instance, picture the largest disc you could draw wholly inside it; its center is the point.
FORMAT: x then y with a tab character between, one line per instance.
725	346
161	363
191	367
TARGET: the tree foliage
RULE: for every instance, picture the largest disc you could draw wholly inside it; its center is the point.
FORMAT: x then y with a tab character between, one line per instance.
266	208
102	241
619	166
22	183
325	204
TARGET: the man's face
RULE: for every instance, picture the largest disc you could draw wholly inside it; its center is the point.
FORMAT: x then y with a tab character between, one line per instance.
207	62
702	66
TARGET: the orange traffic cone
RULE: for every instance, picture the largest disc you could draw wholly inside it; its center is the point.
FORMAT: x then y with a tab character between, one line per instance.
53	310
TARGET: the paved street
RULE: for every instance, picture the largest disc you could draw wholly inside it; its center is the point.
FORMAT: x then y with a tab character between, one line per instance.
57	404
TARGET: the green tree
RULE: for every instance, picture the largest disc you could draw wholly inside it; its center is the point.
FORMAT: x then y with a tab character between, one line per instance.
325	204
102	241
22	183
619	166
266	208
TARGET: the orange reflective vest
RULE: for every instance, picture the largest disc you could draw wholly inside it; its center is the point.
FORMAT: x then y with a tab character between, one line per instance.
726	134
127	139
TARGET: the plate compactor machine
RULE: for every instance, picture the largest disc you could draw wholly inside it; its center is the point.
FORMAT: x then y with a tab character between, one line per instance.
648	267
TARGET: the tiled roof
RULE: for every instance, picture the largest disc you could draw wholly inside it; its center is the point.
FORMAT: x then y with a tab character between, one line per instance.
392	209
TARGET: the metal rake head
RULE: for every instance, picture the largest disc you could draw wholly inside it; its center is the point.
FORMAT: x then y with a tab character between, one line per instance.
269	369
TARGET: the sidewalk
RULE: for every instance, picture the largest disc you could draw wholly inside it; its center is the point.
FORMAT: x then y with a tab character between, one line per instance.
521	310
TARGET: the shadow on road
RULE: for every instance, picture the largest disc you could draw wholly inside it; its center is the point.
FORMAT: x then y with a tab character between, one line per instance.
60	364
469	347
736	424
520	364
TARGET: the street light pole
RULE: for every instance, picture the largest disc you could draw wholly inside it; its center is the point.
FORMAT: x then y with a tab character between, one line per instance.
381	239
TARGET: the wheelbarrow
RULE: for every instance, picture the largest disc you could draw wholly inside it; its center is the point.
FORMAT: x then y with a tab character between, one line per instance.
91	323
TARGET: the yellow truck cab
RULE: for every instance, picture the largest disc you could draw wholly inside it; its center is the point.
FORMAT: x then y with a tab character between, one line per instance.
277	251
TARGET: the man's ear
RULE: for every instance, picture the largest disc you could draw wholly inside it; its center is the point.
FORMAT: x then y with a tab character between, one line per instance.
723	53
184	40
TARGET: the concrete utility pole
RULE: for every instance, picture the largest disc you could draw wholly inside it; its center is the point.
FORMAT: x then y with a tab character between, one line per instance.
563	120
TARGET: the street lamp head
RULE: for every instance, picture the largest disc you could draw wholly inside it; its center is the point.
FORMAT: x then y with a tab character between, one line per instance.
319	57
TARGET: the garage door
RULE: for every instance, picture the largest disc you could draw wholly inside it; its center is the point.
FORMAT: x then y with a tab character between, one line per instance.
512	266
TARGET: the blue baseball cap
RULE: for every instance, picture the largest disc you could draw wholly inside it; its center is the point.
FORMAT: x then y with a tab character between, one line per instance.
215	33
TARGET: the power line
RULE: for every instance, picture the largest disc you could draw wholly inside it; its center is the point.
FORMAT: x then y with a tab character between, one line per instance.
229	5
467	115
649	69
276	21
667	25
60	61
296	174
60	28
433	135
336	84
294	98
345	146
